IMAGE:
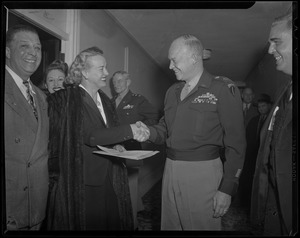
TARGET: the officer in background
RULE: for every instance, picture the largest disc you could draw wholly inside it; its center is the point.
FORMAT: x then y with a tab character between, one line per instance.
130	108
249	108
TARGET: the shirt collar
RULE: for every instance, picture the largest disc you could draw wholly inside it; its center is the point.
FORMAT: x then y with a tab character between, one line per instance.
98	96
204	81
80	85
19	81
193	82
123	94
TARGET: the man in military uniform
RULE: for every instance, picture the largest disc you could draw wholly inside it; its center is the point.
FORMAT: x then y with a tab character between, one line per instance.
202	114
130	108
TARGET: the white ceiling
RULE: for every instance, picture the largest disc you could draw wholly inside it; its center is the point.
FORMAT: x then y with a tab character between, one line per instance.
238	37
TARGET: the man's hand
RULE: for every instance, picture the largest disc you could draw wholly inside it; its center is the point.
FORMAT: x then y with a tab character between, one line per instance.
222	202
140	131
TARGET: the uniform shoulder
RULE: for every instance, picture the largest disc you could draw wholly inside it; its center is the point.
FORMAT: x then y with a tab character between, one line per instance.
228	82
224	79
136	95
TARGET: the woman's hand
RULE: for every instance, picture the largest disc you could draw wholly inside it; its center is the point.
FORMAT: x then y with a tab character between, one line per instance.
119	148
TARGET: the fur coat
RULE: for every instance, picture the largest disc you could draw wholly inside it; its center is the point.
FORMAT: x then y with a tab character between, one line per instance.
66	209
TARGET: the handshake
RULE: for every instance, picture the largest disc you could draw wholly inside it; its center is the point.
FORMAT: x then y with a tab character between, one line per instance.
140	131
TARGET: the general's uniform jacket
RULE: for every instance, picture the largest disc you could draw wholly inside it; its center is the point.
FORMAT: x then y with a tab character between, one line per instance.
209	118
26	156
281	139
133	108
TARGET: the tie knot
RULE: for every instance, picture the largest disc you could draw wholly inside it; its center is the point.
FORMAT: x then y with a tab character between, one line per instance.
26	83
187	86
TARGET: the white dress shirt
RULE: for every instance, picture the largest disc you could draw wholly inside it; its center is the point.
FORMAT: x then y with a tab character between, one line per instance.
19	82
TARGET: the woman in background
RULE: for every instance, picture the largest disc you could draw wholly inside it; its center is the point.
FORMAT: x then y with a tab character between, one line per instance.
55	76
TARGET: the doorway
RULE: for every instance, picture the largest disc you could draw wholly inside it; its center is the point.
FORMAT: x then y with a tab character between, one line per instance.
51	48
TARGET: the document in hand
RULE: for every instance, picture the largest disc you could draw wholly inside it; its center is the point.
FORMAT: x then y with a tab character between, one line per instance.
129	154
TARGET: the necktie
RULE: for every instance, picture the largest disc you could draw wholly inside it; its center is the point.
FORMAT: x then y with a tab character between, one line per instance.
118	100
30	99
246	109
185	91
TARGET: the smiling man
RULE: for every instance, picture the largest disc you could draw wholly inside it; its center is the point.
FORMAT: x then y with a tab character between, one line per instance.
202	114
26	132
272	194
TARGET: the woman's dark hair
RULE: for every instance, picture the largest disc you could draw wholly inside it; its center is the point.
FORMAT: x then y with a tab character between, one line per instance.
58	65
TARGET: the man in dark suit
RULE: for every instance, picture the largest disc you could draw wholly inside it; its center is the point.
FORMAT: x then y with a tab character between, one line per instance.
26	132
249	109
272	195
253	129
130	108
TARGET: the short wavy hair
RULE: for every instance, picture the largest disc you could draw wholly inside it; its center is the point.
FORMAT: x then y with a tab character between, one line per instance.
57	65
121	72
193	43
287	18
80	63
12	31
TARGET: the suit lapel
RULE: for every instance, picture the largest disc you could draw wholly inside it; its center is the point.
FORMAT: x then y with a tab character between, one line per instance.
91	104
107	110
265	127
16	100
289	116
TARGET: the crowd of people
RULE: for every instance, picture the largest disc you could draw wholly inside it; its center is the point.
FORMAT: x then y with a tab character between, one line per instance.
54	181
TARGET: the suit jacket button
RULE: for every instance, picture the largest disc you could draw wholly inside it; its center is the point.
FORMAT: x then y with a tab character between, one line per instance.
25	188
29	164
17	140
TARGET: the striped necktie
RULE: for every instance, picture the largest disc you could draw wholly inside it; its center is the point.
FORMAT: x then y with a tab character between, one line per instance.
30	99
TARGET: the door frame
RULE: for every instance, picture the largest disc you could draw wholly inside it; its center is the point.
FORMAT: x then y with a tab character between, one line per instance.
70	38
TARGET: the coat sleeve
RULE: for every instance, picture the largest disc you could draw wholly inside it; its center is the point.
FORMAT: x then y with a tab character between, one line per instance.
159	132
98	135
107	136
231	119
